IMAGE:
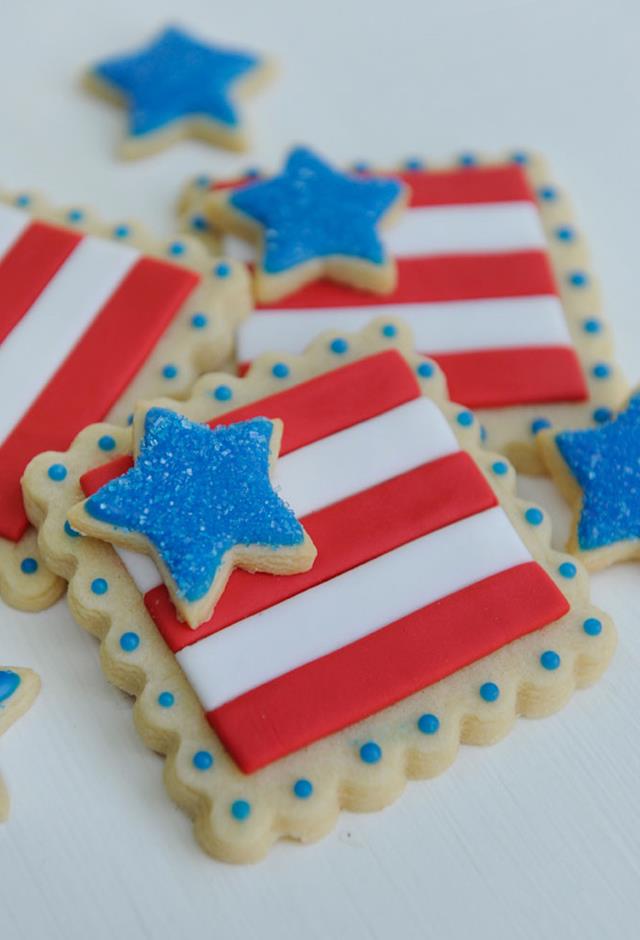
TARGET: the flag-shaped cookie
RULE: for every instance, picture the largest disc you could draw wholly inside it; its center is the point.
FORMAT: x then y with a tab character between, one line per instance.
91	318
495	281
435	612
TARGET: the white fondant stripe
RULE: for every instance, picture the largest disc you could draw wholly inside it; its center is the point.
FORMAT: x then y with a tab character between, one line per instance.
451	326
350	606
466	229
13	222
338	466
443	230
39	344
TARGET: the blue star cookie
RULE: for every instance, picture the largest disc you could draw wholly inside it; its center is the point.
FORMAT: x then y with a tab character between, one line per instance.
598	470
201	502
18	689
312	221
178	86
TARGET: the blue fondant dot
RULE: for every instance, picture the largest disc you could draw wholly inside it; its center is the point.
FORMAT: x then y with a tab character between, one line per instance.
601	370
467	159
303	789
389	330
23	200
548	193
370	752
568	570
414	163
338	345
199	223
176	249
360	166
252	173
169	371
550	660
99	586
592	325
203	181
428	723
499	467
222	270
425	370
489	691
202	760
592	626
57	472
29	566
578	279
106	442
565	233
240	810
602	415
465	419
129	642
122	231
222	393
199	321
71	532
280	370
75	215
520	157
166	699
534	516
539	424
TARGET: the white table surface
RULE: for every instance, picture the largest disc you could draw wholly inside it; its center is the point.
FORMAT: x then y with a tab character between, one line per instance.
536	837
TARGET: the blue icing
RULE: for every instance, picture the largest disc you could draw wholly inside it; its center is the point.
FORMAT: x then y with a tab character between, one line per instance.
195	493
605	462
9	682
312	211
176	76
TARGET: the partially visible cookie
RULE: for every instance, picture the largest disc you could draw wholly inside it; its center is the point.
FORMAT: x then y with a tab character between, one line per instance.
598	471
178	86
313	221
18	689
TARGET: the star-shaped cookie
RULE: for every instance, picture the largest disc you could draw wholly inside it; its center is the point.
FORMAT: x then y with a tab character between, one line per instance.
18	689
200	502
598	471
178	86
313	221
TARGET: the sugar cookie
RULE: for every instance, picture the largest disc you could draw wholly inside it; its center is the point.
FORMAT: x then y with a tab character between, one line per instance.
18	689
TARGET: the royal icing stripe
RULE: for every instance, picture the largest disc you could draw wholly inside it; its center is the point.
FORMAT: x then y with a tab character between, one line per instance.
387	665
12	223
371	523
338	612
56	321
152	290
28	266
453	326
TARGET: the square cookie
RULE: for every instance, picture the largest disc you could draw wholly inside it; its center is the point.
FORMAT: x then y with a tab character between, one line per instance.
91	318
436	611
495	280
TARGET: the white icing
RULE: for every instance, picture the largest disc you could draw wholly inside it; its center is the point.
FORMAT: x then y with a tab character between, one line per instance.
364	455
142	569
350	606
13	222
450	326
39	344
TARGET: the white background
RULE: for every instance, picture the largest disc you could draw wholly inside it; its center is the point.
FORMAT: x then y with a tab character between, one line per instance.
536	837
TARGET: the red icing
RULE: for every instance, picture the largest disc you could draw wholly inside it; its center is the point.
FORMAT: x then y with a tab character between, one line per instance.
494	378
27	268
346	534
345	686
93	376
335	400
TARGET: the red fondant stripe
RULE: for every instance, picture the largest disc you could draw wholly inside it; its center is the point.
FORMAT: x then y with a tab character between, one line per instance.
448	187
494	378
337	690
346	534
432	279
94	375
314	409
28	266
